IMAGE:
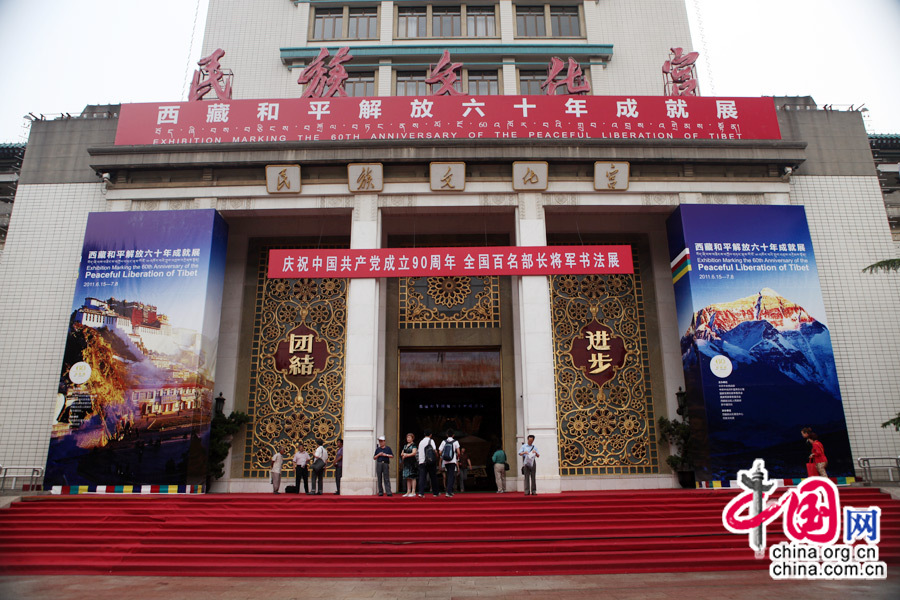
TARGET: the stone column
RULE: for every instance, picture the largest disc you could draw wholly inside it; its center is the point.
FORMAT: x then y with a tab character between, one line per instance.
536	347
361	361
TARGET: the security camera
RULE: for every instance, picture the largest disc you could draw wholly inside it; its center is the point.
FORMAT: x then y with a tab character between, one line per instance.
105	177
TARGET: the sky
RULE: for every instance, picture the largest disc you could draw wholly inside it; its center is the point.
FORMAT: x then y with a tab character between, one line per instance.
60	55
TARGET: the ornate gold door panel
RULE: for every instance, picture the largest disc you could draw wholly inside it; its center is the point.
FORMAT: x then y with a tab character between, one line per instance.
296	391
449	302
602	368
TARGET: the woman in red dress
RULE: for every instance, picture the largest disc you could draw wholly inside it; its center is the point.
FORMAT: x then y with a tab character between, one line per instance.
817	455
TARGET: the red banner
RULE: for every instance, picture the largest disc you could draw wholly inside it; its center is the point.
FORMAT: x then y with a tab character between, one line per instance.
436	262
448	117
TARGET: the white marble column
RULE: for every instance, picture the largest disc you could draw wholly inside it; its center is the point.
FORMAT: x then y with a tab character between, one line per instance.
536	347
361	361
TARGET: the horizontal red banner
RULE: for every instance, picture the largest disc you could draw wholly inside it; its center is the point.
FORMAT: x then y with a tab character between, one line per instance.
448	117
434	262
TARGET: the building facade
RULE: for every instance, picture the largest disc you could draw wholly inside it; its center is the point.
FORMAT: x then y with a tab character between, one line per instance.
487	356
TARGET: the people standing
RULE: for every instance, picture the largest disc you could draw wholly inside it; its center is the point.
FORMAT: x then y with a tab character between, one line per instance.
410	464
320	459
500	466
817	453
464	465
277	462
338	465
427	464
301	466
529	453
383	456
449	452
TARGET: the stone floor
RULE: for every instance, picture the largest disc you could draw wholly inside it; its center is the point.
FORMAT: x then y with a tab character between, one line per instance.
741	585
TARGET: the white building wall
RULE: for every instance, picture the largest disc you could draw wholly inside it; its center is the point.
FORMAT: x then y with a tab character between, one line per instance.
38	269
849	232
641	34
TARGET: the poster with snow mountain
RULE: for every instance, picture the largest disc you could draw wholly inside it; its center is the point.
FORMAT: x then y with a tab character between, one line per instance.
135	394
755	345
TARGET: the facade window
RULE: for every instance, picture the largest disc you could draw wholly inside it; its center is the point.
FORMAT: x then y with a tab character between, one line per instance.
345	23
564	21
412	22
328	24
530	82
446	21
412	83
363	24
530	21
360	84
483	83
555	21
480	21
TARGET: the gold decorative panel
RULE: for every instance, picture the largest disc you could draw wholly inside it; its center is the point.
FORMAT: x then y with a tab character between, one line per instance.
603	405
297	366
449	302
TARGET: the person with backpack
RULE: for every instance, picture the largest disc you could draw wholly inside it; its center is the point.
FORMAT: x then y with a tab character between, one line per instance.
449	451
427	464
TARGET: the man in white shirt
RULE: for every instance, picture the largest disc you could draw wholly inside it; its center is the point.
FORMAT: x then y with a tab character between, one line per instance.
319	474
428	465
301	462
449	452
529	452
277	461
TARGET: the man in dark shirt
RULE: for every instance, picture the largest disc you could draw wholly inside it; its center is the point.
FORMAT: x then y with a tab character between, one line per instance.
383	456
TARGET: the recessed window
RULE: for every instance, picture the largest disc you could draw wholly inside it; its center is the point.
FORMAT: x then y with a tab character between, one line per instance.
564	21
480	21
546	20
412	22
363	24
483	83
412	83
345	23
328	24
530	82
360	84
530	21
446	21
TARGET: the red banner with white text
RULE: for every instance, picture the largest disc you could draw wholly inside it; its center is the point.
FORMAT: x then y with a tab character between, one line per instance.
448	117
435	262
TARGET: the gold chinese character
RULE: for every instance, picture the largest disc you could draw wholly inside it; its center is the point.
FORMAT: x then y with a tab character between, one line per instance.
599	363
283	181
448	176
364	181
611	177
530	177
597	340
301	343
302	367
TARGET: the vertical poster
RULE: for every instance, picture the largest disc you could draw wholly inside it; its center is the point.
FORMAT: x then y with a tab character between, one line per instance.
134	402
755	346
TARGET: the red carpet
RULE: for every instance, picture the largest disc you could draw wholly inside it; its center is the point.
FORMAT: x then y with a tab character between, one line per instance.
331	536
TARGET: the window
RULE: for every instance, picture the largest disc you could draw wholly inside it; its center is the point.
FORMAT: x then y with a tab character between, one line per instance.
480	21
530	21
412	83
360	84
363	24
530	82
446	22
411	22
483	83
559	21
345	23
328	24
564	21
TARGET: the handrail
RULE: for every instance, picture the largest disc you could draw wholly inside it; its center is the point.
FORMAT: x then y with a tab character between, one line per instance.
34	475
884	463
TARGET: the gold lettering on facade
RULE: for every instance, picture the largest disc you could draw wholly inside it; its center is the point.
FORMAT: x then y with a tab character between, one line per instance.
597	340
364	181
447	178
301	343
611	177
283	181
530	177
600	362
302	366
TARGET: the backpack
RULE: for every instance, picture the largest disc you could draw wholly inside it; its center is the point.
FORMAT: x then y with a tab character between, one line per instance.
447	454
430	454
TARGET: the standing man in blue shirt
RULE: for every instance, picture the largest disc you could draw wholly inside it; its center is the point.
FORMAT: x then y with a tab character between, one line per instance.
529	452
383	456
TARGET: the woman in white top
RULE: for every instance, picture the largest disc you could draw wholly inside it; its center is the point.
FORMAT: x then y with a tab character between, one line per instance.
318	475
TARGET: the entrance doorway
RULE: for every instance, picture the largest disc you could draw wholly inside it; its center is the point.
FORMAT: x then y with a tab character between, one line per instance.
457	390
